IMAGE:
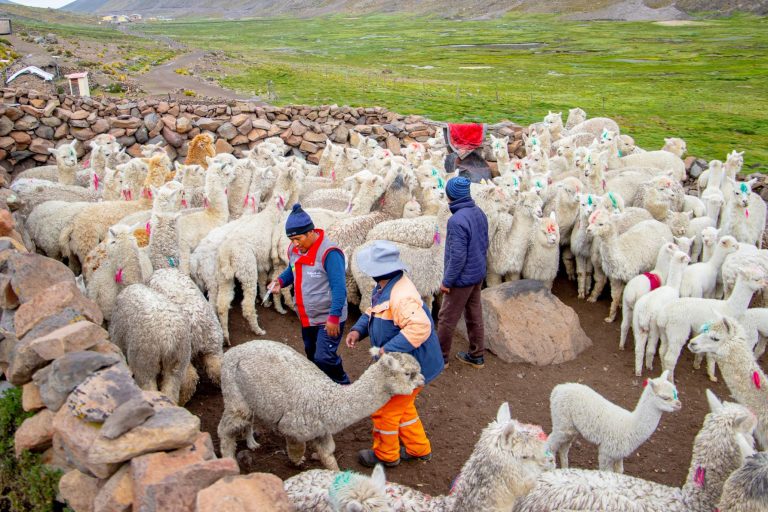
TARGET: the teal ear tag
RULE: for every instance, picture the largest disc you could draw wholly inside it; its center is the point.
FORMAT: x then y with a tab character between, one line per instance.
674	394
341	480
589	200
744	188
613	199
705	327
434	172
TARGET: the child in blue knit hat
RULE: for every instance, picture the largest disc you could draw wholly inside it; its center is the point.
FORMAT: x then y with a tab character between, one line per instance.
317	272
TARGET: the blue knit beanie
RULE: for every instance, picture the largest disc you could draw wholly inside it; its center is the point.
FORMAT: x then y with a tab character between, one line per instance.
298	222
457	188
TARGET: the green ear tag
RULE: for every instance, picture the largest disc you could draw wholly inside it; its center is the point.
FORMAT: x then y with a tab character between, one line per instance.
674	394
613	199
589	200
744	188
705	327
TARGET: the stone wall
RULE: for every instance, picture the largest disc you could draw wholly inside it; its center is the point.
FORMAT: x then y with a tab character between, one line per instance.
120	448
32	122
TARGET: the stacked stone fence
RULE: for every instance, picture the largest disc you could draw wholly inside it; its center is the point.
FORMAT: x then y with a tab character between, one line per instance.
32	122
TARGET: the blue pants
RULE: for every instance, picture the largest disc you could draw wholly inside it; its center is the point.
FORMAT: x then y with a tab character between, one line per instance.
321	350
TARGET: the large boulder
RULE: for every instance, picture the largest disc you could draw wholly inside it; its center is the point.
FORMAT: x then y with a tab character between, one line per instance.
33	273
525	323
246	493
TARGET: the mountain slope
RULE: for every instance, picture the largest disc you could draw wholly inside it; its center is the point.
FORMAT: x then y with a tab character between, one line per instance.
466	8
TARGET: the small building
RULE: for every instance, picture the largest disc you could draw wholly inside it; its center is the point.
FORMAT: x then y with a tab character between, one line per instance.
134	17
109	18
6	27
78	84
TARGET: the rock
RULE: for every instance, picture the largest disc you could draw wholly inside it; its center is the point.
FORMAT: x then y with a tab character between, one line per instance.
173	138
177	491
315	137
524	322
6	126
13	113
79	490
116	495
206	123
127	122
245	128
239	119
40	146
100	394
222	146
100	126
65	295
21	137
27	122
79	114
183	125
83	134
695	166
7	142
33	273
169	121
393	144
128	415
308	147
45	132
70	338
35	433
72	438
256	492
30	397
58	379
168	429
256	134
262	124
298	129
227	130
163	107
53	122
141	135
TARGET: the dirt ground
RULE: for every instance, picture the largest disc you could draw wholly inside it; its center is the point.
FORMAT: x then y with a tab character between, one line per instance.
463	400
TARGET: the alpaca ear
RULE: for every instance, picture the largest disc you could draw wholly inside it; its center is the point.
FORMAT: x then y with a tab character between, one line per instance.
390	362
552	216
379	478
745	422
178	166
715	405
729	324
664	375
503	416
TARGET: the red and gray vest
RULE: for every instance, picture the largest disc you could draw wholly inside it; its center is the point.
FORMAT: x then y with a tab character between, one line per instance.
310	282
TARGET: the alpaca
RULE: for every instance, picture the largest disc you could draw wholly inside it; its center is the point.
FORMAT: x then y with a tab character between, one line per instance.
542	257
200	149
260	380
717	451
506	461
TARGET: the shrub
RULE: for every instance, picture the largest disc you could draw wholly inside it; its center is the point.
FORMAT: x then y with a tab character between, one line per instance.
182	71
114	88
188	92
25	483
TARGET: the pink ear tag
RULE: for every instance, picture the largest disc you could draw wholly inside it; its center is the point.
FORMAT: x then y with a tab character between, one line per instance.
96	181
206	204
756	379
148	228
119	276
746	212
700	476
245	201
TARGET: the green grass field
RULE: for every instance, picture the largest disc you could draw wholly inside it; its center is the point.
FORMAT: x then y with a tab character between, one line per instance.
705	82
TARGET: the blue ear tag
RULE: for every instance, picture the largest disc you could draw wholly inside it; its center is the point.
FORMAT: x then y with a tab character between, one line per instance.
440	183
514	180
620	154
705	327
589	200
434	172
744	188
674	394
172	261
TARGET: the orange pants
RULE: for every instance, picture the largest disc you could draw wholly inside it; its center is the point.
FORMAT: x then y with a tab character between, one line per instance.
398	421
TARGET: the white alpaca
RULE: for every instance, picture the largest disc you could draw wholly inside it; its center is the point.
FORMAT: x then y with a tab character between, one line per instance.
686	314
542	258
717	451
700	279
725	339
746	488
745	214
644	327
508	245
577	409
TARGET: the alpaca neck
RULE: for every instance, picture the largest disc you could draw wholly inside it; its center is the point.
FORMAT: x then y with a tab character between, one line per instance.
740	297
66	173
675	278
645	417
361	399
706	252
218	205
98	163
718	257
662	268
613	160
715	178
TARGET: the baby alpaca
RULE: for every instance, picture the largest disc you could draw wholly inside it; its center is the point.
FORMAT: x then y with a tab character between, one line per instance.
321	490
542	258
577	409
260	381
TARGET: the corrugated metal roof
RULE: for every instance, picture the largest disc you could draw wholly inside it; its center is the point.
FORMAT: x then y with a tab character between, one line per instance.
33	70
77	75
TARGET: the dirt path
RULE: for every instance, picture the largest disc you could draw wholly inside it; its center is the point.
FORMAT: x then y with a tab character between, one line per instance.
163	80
463	400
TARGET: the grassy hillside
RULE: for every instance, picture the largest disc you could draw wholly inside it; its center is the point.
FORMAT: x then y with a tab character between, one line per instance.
703	82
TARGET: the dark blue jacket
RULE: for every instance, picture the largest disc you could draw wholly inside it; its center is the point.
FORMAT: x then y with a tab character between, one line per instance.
399	321
466	245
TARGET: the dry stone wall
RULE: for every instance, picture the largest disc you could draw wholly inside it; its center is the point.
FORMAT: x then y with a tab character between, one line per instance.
32	122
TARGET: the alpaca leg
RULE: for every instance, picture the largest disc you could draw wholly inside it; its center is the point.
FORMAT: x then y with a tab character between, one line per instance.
249	306
560	442
618	466
492	279
232	424
697	359
295	450
324	448
173	377
669	360
605	463
626	322
145	369
568	263
654	336
581	277
512	276
641	344
617	287
184	255
188	385
428	301
223	301
711	368
212	366
250	438
600	280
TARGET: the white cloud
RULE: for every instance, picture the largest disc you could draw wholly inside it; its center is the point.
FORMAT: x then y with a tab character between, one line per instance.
43	3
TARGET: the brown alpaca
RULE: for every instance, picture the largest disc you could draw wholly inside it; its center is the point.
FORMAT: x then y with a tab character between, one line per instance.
200	147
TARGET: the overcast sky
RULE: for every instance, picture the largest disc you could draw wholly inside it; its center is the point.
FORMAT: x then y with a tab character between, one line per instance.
43	3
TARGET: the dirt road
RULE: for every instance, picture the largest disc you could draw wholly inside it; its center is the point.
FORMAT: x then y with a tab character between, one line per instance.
163	80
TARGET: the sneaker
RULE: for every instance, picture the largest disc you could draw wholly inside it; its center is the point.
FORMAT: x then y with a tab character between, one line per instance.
477	362
369	459
404	455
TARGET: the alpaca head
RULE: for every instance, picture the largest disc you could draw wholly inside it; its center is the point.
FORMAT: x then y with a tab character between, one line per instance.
434	189
612	202
531	204
728	427
191	175
715	336
626	145
679	222
600	223
727	245
742	191
354	159
411	209
553	120
709	236
509	182
548	231
512	447
113	184
403	373
675	146
734	162
150	150
663	393
353	492
134	174
749	483
157	171
588	203
437	157
221	169
608	139
167	198
499	147
575	116
66	154
580	157
684	244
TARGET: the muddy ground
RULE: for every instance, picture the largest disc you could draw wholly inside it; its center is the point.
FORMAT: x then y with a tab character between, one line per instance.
459	403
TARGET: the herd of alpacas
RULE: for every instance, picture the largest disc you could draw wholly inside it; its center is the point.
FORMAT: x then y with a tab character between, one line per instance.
160	246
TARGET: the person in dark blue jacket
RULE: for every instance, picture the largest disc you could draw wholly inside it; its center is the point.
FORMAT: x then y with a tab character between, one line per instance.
397	321
466	253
